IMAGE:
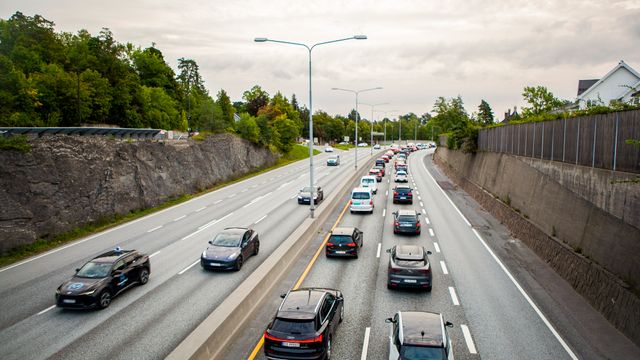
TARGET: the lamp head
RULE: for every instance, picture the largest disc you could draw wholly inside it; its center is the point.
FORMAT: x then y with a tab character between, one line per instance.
260	39
360	37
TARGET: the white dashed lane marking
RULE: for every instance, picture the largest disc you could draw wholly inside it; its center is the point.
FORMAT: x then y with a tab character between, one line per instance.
202	208
444	267
188	267
431	232
378	252
262	218
468	339
365	345
154	229
154	254
454	297
435	244
180	218
47	309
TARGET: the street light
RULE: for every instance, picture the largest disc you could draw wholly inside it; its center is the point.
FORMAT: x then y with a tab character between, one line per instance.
310	48
385	123
357	114
372	107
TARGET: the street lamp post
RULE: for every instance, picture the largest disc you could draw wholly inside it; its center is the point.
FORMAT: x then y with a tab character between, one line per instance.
385	124
309	49
372	109
357	92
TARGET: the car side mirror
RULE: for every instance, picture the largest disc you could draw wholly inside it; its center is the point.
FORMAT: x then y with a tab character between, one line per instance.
389	320
448	324
283	295
77	269
210	242
388	251
429	252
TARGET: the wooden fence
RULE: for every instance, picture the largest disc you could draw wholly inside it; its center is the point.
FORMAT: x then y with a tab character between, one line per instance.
595	140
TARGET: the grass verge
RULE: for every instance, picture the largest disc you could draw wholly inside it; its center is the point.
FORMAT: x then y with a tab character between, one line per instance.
299	152
343	147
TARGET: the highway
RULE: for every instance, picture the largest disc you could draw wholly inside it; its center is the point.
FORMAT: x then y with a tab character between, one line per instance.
147	322
492	317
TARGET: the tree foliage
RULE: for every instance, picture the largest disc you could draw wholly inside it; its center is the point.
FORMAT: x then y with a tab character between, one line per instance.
485	114
540	99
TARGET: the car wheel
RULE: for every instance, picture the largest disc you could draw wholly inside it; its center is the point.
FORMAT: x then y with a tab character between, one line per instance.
105	299
356	256
429	289
239	263
389	286
328	357
256	248
417	232
143	277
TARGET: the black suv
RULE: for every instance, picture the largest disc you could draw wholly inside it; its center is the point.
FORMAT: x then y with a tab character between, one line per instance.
406	221
402	194
409	267
103	278
344	241
305	324
419	335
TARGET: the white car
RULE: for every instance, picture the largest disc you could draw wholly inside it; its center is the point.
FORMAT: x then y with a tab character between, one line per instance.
376	147
361	200
328	149
370	182
401	176
363	144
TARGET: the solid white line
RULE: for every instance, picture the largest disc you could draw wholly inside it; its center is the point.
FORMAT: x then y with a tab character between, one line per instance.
378	252
454	297
365	345
431	232
468	339
154	254
421	204
446	196
444	267
267	194
217	202
384	212
524	294
45	310
426	219
188	267
180	218
262	218
154	229
202	208
435	244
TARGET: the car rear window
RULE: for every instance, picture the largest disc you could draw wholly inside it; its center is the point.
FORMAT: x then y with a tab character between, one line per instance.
360	195
340	239
293	326
410	263
407	218
367	181
403	191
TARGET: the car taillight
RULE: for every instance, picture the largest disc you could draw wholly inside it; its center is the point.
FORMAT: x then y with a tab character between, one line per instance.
418	224
395	193
275	338
351	244
396	223
350	202
424	271
370	202
329	244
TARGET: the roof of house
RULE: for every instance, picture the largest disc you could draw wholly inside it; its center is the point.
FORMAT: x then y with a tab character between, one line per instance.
583	85
621	64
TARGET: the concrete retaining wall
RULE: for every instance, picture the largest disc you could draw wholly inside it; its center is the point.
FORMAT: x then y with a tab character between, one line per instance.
576	223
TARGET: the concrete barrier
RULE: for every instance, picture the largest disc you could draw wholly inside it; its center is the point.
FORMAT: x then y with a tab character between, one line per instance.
210	338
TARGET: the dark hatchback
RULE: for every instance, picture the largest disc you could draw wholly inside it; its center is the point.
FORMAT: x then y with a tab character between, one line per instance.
409	267
381	162
406	222
106	276
304	195
344	241
230	249
305	324
402	194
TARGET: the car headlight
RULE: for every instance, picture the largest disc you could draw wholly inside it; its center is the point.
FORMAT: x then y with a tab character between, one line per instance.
232	256
299	196
88	292
204	254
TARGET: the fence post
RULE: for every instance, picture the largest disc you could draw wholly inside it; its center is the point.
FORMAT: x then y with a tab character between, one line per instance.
526	138
553	137
578	142
542	144
615	143
595	131
512	132
533	143
519	126
564	138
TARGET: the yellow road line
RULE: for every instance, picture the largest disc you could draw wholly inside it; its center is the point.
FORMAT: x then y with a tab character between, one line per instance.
258	346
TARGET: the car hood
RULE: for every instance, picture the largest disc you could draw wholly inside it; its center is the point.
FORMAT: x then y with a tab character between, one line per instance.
307	195
78	285
221	253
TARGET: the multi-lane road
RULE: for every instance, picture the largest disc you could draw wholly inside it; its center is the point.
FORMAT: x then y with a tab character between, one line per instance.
147	322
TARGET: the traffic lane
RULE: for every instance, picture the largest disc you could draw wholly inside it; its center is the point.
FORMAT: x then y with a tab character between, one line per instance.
490	298
39	291
439	299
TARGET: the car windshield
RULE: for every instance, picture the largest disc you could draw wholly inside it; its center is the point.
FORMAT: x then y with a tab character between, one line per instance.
306	189
340	239
94	270
407	218
293	326
367	181
227	240
410	352
360	196
401	173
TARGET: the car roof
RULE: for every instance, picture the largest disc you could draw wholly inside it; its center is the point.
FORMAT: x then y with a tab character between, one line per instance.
403	187
112	256
409	252
406	212
368	177
301	303
235	230
361	189
422	328
342	231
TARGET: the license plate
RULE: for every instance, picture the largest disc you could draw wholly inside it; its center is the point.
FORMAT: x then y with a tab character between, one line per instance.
215	264
69	301
356	203
341	252
403	197
410	281
406	225
291	344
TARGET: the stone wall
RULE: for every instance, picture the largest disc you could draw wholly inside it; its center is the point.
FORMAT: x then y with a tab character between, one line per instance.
526	189
66	181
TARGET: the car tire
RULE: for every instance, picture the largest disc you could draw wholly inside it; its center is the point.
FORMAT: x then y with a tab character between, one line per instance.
239	263
104	300
429	289
389	286
143	276
418	233
328	352
256	248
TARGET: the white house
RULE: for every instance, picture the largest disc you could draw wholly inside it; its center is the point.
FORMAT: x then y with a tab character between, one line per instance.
621	83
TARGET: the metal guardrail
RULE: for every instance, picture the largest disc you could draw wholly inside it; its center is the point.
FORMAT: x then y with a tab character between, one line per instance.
120	132
597	141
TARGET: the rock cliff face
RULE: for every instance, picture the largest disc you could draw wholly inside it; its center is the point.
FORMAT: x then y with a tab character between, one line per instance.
68	181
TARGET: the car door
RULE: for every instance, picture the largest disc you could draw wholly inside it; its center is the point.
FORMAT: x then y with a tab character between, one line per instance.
244	244
120	275
359	237
394	340
330	308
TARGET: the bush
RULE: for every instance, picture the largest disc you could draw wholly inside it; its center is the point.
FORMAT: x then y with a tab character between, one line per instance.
15	142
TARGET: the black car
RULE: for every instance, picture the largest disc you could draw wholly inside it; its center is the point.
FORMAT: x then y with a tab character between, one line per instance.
104	277
305	324
304	195
380	162
402	194
344	241
409	267
406	221
230	249
419	335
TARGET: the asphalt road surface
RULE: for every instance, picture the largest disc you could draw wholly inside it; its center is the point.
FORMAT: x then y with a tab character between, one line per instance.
147	322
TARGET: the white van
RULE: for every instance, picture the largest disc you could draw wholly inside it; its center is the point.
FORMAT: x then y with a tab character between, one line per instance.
361	200
369	181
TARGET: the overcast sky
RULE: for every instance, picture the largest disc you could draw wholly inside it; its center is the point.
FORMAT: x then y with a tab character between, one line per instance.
416	50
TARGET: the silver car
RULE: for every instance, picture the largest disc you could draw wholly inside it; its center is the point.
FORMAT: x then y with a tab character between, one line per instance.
419	335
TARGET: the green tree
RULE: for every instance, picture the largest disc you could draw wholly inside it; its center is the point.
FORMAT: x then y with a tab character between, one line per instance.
153	71
541	100
288	131
255	99
248	129
224	102
485	114
160	110
95	97
210	116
